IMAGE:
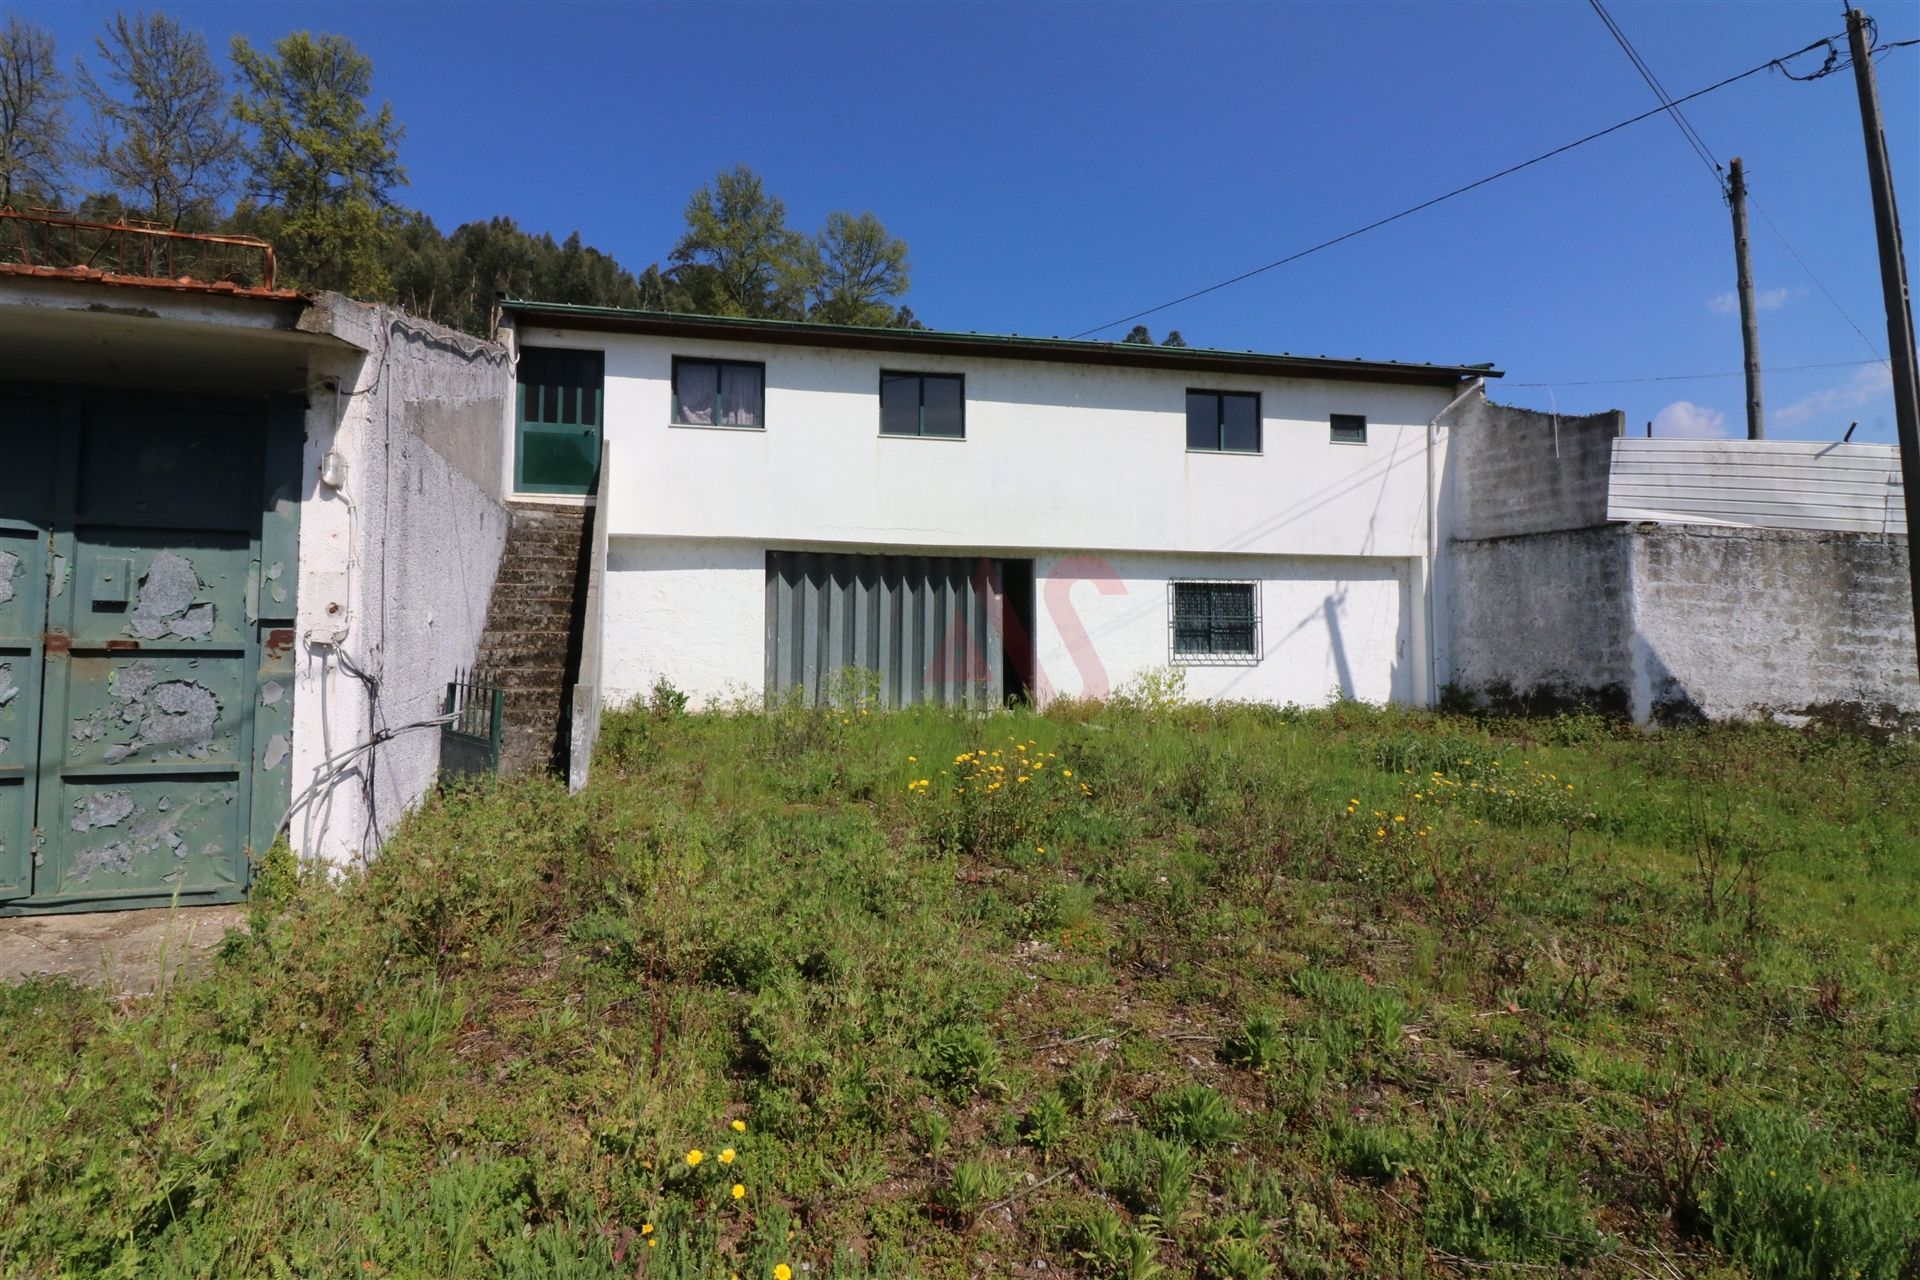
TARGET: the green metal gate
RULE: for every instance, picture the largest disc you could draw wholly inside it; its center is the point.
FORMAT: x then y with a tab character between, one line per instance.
147	548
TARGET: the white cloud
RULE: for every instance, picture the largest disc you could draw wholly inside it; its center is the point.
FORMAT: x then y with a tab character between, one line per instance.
1868	383
1728	304
1687	420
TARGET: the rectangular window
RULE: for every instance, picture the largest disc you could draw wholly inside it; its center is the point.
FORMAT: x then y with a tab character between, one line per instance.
558	401
719	393
923	404
1223	421
1349	428
1215	622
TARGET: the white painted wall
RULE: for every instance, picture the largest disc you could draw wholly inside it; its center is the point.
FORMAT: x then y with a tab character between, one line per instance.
1056	456
694	611
691	610
1328	627
410	546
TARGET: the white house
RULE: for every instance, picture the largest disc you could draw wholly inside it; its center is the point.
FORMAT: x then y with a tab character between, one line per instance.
975	517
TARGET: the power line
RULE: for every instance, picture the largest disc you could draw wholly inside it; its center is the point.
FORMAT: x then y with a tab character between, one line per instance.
1833	63
1687	131
1695	377
1825	292
1471	186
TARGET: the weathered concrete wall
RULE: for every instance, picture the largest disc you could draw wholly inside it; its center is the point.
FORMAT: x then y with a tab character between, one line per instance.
406	550
1540	620
1732	623
1548	604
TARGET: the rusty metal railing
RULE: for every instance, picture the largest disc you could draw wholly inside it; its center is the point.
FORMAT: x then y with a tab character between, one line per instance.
47	239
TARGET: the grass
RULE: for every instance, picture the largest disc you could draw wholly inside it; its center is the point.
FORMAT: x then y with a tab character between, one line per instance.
1132	989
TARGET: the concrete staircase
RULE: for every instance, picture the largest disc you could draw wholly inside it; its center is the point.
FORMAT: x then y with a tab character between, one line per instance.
532	638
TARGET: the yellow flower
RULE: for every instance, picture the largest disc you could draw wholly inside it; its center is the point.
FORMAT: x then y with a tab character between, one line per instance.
913	759
1039	848
695	1156
1379	833
783	1272
651	1242
1066	773
739	1126
738	1191
646	1228
726	1157
1399	817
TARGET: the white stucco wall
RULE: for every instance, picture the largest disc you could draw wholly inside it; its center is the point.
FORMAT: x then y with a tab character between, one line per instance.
1057	456
409	545
694	611
1329	627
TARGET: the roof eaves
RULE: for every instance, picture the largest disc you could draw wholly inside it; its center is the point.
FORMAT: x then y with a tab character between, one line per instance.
1065	350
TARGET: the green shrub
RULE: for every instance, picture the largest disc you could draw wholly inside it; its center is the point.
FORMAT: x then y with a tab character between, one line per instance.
961	1061
1197	1114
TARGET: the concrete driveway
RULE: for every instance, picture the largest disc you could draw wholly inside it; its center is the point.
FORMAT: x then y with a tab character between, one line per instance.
124	951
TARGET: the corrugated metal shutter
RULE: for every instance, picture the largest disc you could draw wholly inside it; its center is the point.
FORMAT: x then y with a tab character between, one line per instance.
923	628
1769	484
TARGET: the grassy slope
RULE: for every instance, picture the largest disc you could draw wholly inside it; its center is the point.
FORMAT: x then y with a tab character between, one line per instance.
1192	1006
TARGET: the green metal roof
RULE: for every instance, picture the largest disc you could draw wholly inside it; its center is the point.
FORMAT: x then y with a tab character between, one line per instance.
1137	355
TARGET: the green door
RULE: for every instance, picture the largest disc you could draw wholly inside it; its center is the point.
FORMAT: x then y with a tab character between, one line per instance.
558	404
134	636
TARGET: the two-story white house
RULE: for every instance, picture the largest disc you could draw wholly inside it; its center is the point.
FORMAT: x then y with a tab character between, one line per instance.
972	518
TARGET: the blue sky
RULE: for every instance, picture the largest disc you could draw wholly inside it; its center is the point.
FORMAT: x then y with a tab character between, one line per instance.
1057	166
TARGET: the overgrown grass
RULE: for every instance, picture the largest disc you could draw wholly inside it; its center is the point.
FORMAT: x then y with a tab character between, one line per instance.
1132	989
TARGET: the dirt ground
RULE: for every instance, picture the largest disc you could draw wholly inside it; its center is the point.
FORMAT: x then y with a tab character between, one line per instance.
127	951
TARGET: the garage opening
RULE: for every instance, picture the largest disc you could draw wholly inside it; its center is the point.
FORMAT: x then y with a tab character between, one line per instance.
893	631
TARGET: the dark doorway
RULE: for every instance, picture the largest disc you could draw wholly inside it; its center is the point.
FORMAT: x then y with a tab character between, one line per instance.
1016	578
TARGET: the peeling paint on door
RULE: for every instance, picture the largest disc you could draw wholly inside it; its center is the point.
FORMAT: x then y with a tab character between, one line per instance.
9	570
167	589
276	751
103	809
9	688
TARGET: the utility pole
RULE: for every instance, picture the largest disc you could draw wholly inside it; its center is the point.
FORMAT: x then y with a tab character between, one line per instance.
1893	283
1749	322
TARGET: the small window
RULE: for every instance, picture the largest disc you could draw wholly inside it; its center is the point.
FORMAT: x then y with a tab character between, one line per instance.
923	404
1215	622
719	393
1349	428
1223	421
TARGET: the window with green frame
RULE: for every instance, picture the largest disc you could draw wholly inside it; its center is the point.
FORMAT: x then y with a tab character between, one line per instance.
923	404
719	393
1223	421
559	401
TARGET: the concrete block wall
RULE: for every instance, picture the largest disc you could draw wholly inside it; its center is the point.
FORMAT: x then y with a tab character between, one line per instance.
1513	471
1743	623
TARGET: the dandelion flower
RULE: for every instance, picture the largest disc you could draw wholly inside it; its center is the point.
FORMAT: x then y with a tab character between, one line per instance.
783	1272
739	1126
1039	848
913	759
738	1191
695	1156
1399	817
1066	773
646	1228
651	1242
726	1157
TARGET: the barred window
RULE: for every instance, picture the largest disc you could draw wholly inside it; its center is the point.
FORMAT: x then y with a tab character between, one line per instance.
1215	621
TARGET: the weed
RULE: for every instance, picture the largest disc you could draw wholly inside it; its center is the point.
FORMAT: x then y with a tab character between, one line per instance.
1257	1046
1197	1114
962	1061
1046	1123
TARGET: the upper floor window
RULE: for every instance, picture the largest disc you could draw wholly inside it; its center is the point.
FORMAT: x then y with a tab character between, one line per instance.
719	393
1223	421
1349	428
1215	622
923	404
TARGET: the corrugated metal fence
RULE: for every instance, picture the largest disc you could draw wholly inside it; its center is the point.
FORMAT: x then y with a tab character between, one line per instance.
897	629
1767	484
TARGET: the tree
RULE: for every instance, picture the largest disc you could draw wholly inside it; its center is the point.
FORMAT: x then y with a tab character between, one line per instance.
166	137
738	256
861	272
1173	339
33	121
324	168
1139	334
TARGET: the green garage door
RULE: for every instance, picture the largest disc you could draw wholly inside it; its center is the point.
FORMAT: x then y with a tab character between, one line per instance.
145	646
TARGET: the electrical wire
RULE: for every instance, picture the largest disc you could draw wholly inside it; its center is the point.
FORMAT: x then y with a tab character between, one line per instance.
1509	171
1824	291
1680	120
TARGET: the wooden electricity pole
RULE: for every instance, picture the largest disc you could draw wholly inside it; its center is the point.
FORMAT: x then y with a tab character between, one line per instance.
1749	322
1893	284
